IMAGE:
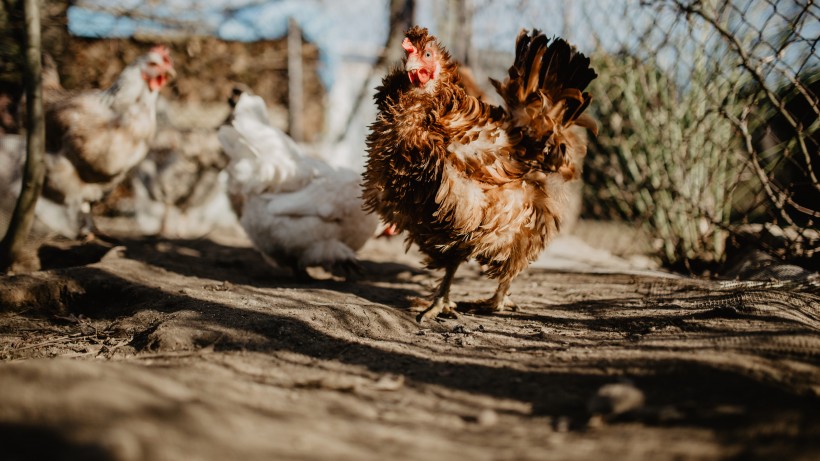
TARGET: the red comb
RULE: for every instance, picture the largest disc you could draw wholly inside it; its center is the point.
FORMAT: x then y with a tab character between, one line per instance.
160	49
163	51
408	47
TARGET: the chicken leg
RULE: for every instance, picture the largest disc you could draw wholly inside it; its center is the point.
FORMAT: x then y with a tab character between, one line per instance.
441	301
88	231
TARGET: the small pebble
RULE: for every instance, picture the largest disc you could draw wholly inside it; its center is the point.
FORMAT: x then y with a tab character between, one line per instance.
487	418
562	424
616	399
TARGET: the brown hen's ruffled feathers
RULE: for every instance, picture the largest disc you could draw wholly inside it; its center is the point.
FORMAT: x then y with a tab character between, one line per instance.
466	179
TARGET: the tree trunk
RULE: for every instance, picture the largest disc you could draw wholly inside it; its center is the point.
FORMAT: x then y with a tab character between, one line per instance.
454	20
402	13
295	82
12	245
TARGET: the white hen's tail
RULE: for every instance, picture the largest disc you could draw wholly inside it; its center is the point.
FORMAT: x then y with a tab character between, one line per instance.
263	158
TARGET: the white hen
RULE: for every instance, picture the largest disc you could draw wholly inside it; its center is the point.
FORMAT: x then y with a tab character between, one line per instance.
297	210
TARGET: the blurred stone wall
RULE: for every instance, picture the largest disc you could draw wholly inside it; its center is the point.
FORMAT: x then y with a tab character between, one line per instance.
207	68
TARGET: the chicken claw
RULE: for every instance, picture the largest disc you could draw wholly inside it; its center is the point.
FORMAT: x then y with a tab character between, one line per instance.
496	303
441	301
493	305
439	306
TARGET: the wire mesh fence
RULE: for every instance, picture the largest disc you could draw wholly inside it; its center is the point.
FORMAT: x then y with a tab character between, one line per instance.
711	127
708	114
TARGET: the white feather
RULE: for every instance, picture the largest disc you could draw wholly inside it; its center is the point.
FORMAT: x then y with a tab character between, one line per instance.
297	210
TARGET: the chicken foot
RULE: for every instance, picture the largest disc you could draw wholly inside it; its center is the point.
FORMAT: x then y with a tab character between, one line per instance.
498	301
88	231
441	301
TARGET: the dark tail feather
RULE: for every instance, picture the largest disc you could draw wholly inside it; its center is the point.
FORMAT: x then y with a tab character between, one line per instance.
533	62
551	68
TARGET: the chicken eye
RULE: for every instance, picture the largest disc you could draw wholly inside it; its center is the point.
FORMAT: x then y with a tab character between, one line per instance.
428	54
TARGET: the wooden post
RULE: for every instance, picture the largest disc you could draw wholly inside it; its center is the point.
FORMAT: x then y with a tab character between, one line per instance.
456	28
22	218
402	15
295	82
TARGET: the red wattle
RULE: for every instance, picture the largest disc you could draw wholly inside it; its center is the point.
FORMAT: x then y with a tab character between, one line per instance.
155	83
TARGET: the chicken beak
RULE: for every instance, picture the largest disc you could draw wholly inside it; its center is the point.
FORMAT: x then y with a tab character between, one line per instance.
412	68
170	72
413	63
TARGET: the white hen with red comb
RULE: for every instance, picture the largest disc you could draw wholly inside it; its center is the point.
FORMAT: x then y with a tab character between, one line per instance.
94	138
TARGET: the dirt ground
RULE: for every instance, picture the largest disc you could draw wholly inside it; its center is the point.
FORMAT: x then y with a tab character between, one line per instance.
155	349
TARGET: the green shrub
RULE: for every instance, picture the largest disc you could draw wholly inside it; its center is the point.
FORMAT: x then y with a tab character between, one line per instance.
666	155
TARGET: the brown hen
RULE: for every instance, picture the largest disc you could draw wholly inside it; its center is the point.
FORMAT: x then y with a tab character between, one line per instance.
468	180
